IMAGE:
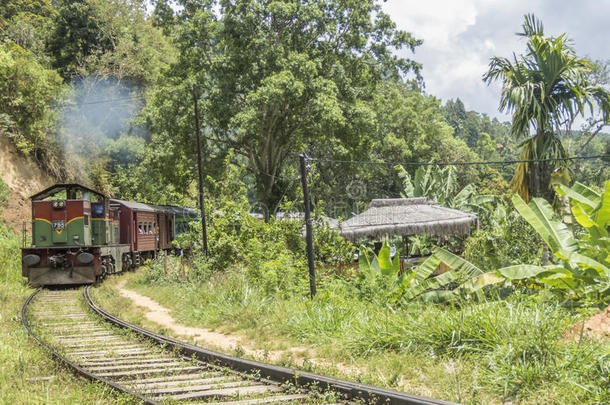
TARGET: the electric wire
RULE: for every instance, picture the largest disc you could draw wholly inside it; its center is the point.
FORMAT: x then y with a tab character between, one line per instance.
472	163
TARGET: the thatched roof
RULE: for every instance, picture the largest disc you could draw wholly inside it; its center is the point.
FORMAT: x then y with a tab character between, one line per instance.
407	216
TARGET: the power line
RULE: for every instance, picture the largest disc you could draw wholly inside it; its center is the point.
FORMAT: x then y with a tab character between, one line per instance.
127	98
134	98
490	162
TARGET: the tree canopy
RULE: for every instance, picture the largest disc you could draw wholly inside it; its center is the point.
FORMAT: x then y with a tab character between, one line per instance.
280	76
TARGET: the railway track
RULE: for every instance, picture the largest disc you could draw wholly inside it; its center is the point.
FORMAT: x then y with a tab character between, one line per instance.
156	369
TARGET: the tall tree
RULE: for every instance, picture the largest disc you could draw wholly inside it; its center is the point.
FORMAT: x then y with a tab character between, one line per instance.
545	89
278	76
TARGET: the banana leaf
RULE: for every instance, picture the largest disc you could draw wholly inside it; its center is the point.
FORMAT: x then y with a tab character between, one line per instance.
366	271
602	216
522	271
468	269
582	217
539	214
582	260
582	194
480	281
424	270
432	283
386	266
562	283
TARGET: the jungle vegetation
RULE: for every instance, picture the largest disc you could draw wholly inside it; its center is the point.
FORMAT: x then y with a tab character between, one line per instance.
101	92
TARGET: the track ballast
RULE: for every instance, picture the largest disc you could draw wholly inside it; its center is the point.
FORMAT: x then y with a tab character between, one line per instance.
156	369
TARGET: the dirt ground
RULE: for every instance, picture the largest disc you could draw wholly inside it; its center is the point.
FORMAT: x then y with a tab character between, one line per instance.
23	178
597	326
160	315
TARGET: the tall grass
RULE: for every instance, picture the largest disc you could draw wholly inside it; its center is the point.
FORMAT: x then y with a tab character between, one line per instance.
517	344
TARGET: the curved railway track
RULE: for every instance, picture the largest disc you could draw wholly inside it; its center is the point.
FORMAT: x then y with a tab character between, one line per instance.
156	369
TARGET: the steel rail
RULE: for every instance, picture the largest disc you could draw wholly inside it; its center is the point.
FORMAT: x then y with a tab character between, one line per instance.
351	390
75	368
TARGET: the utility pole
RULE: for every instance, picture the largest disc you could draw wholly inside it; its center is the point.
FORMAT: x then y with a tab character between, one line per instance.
308	233
204	230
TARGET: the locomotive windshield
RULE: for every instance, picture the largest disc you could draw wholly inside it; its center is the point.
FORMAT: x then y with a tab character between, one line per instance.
68	192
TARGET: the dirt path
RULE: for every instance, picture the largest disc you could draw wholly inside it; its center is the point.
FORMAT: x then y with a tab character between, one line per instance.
160	315
597	326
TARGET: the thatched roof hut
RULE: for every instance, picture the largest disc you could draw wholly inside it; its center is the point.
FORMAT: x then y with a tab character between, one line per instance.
407	216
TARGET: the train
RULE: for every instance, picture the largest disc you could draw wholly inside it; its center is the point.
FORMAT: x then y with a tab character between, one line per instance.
80	236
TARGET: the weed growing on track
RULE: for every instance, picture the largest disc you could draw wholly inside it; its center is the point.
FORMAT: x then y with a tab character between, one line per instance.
22	361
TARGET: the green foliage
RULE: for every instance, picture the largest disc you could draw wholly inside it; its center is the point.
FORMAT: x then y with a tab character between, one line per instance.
273	252
107	38
26	23
508	240
380	278
441	185
581	268
517	345
78	34
10	256
4	194
274	87
403	126
519	340
489	138
329	246
27	93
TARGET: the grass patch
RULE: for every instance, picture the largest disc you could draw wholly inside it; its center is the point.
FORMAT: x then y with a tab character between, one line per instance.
511	350
24	365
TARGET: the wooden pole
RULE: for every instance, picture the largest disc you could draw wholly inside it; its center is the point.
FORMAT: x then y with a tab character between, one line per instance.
308	232
204	231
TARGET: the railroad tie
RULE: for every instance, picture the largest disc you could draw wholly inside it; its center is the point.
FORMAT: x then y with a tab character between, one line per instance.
224	392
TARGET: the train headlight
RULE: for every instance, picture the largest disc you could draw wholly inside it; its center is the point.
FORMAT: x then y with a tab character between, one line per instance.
31	260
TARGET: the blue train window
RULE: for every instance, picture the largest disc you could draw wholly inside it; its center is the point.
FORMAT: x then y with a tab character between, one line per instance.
97	210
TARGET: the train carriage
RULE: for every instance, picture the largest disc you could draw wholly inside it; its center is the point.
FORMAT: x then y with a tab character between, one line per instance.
79	235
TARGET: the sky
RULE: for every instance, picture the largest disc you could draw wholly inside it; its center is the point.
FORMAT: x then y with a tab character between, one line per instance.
460	36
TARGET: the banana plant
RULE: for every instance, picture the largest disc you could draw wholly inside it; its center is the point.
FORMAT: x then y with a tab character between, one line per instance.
418	283
582	263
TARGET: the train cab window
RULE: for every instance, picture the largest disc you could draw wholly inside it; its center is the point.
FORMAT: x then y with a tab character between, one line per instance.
97	210
86	219
140	229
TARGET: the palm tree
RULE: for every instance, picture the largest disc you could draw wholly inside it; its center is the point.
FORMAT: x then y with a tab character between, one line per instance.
545	89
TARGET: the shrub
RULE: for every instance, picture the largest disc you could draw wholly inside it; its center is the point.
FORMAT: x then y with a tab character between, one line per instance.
508	243
272	253
4	194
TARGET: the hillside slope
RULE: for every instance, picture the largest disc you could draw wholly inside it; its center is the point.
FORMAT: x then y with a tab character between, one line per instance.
23	178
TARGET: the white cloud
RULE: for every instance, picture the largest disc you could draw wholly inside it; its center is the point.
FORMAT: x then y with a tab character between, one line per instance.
436	21
460	36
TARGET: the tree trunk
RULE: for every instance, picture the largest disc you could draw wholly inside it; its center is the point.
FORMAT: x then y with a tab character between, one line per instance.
540	172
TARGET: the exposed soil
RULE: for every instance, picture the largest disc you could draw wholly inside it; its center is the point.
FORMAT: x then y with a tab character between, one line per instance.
23	178
160	315
597	326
